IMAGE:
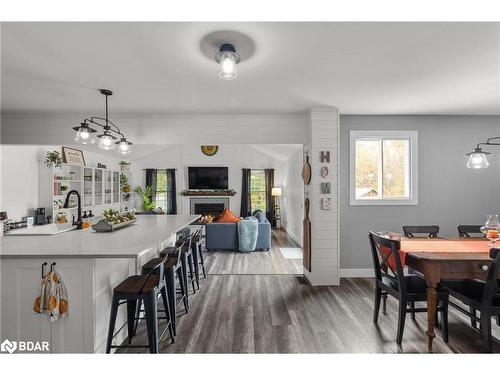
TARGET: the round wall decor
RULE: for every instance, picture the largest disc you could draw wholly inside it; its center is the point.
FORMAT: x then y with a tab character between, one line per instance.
209	150
324	171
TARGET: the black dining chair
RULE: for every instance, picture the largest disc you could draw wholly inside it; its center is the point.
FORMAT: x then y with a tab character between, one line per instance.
480	296
467	230
390	280
429	231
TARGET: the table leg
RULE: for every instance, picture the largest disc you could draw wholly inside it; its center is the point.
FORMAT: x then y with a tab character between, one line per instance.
431	313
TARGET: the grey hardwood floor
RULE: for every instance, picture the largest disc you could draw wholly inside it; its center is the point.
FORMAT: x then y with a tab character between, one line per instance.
269	262
265	313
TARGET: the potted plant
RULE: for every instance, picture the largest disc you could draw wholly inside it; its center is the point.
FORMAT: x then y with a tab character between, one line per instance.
147	197
53	158
125	186
124	166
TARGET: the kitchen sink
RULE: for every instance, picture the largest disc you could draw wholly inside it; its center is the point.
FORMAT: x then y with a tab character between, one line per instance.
41	230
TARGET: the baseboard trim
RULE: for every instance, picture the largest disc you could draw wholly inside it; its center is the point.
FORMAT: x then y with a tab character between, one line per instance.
356	272
291	234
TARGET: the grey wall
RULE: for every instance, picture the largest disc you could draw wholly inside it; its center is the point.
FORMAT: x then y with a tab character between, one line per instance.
449	193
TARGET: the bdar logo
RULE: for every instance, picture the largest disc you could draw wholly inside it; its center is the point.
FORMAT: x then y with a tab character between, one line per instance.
8	346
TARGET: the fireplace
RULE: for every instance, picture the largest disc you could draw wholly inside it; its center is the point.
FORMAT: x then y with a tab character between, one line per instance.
212	209
205	206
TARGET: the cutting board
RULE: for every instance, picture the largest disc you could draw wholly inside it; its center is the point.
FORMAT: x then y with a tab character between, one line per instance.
307	237
306	171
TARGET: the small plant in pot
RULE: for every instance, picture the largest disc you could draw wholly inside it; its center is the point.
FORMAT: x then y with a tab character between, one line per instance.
53	158
125	186
124	166
147	197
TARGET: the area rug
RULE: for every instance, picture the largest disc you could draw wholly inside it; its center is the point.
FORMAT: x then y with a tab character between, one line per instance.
291	252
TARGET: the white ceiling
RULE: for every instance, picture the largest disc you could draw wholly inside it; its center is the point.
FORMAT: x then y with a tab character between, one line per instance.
161	68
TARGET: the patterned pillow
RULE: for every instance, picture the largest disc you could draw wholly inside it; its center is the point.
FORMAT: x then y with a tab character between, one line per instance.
227	217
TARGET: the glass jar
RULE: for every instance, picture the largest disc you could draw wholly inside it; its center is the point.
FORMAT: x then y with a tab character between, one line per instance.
491	229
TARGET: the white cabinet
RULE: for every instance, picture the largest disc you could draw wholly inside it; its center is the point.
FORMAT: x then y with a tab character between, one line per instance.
99	190
20	283
89	283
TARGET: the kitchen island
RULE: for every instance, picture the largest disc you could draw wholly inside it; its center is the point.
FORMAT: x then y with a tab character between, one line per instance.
90	264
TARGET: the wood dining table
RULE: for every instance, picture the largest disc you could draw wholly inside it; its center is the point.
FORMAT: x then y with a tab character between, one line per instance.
445	259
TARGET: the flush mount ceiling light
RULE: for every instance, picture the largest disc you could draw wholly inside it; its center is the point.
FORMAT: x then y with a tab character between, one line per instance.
478	158
227	58
84	133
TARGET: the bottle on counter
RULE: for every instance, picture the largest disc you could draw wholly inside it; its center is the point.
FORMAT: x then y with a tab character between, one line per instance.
91	217
85	220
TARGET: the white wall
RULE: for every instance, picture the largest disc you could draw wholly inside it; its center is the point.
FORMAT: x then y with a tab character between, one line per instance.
292	200
233	156
20	175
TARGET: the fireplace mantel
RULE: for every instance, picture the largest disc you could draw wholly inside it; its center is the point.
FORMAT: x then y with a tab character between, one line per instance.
209	193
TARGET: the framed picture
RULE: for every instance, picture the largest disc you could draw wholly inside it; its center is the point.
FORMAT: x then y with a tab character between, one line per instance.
73	156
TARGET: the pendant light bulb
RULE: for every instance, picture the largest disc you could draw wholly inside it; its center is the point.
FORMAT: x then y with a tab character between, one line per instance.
84	134
106	141
124	146
478	159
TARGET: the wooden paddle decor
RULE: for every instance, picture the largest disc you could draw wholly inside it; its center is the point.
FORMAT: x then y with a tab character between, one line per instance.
306	171
307	237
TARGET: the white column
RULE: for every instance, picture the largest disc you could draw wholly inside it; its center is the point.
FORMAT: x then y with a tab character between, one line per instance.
322	135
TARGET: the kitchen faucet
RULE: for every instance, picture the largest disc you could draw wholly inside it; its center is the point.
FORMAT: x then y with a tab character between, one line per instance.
66	205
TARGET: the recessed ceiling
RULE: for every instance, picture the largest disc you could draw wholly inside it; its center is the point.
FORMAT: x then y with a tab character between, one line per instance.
160	68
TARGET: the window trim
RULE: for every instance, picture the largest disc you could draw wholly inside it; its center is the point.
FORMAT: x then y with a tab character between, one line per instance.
412	136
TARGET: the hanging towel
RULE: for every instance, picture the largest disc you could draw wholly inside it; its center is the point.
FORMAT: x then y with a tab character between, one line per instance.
53	298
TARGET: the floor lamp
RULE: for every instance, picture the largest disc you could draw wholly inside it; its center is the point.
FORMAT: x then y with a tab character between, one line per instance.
276	193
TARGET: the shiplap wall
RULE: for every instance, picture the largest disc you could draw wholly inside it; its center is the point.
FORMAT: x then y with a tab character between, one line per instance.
322	135
178	129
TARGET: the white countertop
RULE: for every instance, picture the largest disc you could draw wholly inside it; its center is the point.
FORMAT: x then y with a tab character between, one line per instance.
128	242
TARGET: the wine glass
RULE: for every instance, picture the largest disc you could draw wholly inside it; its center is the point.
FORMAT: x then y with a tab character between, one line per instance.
491	229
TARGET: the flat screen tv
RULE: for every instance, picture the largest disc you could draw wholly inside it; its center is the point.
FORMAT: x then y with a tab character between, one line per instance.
208	178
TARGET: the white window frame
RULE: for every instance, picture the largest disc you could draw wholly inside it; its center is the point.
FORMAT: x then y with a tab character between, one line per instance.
412	136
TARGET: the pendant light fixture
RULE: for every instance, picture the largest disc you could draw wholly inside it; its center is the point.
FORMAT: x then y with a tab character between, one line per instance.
107	140
478	158
227	58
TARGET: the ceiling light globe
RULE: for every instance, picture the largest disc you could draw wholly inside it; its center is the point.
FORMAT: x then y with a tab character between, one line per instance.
227	66
478	160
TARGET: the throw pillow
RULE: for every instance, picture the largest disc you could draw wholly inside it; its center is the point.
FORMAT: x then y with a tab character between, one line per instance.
227	217
259	215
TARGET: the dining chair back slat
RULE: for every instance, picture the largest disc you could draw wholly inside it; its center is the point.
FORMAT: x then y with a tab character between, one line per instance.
431	231
467	230
386	259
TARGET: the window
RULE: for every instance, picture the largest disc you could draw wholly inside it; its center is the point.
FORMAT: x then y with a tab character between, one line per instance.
161	193
258	190
383	167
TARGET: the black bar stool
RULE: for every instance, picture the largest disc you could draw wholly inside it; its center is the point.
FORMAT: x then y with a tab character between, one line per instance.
186	259
132	291
147	268
173	266
197	250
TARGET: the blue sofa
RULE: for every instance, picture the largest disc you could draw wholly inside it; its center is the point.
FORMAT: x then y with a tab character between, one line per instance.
224	236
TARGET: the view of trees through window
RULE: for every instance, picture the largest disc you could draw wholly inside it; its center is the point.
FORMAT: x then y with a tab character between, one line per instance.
382	168
258	190
161	189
